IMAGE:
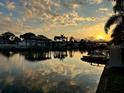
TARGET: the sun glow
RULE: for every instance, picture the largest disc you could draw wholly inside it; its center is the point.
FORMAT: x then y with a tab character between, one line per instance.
100	37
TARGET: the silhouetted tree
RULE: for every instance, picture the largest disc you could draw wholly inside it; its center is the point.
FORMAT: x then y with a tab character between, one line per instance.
8	36
118	19
28	35
43	38
17	39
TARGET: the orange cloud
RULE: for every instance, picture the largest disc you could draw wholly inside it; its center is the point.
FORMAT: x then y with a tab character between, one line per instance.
92	31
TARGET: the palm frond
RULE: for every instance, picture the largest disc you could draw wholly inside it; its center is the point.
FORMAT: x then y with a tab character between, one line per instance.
117	32
119	6
113	20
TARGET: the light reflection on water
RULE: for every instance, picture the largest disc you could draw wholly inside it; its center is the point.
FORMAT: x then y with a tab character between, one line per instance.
47	72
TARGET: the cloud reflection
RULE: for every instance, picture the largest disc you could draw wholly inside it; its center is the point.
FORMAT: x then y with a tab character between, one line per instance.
51	76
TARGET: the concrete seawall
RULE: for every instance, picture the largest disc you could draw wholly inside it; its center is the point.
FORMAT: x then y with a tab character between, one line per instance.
112	78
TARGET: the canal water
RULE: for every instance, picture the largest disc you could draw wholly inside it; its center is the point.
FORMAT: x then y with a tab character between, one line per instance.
47	72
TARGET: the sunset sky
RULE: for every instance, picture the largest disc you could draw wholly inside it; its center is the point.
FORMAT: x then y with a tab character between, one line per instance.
78	18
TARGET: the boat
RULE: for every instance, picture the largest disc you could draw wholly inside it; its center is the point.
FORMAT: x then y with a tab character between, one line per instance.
98	58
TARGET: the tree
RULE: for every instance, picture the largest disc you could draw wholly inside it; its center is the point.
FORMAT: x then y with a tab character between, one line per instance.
8	36
43	38
118	19
28	35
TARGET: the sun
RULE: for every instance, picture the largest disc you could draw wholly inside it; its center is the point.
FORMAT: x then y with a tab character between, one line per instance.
100	37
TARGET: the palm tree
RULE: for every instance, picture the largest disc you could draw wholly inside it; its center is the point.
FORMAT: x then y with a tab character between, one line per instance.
118	19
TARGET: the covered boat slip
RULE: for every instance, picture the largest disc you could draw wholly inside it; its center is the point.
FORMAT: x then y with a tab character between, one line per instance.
96	56
112	58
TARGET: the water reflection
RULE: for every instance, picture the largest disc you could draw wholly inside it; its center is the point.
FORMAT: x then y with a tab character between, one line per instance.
7	53
47	74
36	56
60	54
40	55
